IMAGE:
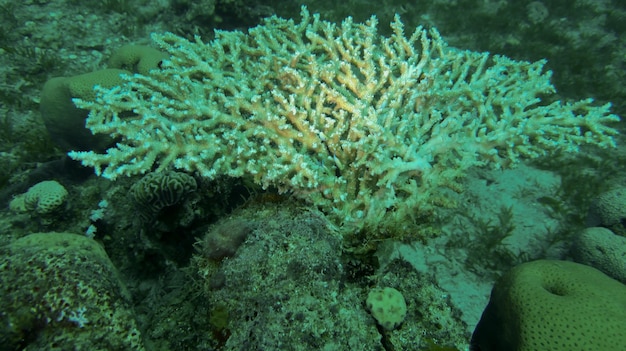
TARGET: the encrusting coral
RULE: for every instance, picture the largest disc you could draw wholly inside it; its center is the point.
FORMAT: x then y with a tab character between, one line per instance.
370	129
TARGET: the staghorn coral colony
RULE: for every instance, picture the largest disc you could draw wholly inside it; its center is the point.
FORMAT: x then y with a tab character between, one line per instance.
371	129
310	181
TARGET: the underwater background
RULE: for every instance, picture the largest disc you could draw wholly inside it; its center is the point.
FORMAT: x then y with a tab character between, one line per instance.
173	261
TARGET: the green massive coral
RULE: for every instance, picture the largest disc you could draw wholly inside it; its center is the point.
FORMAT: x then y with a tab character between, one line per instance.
371	129
60	291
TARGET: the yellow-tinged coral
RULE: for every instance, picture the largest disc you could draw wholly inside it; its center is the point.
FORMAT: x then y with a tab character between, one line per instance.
371	129
387	306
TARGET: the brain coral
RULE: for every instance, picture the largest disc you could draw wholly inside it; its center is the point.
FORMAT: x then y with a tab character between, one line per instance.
43	198
158	190
556	306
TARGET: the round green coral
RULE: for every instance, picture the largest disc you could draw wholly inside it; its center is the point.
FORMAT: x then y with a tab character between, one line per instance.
553	305
43	198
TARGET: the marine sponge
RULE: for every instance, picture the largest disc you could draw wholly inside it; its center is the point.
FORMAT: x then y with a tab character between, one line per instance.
223	239
43	198
387	306
556	306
